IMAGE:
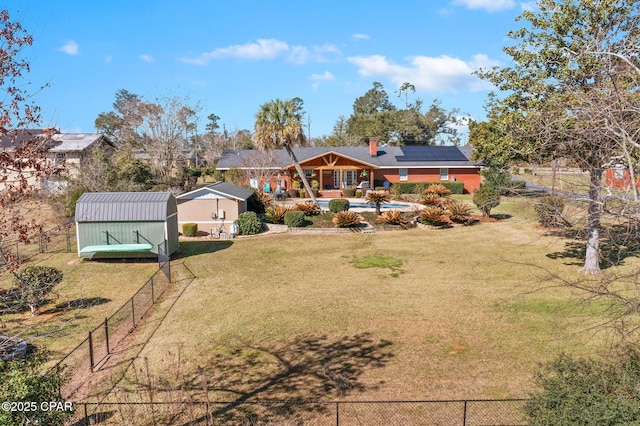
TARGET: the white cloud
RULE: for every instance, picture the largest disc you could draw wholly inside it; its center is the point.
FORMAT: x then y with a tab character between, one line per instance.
442	74
325	76
488	5
70	48
317	78
265	49
360	36
146	58
298	55
261	49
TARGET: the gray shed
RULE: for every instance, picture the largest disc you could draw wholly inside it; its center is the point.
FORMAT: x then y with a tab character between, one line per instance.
126	224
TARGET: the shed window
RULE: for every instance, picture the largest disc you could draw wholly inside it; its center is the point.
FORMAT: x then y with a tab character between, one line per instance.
403	174
60	157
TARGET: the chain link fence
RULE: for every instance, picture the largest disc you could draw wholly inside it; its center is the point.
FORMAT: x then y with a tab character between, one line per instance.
60	239
371	413
88	355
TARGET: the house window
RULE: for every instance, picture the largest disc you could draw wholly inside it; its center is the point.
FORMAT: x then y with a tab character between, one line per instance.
309	173
444	173
403	174
619	172
60	157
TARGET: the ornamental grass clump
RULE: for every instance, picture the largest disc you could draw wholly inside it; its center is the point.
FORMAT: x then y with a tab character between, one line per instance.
458	212
432	215
393	217
275	214
346	219
431	199
377	198
438	189
309	208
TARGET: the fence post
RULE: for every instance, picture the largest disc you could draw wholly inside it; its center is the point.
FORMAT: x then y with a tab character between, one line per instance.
337	413
91	351
464	414
133	314
106	334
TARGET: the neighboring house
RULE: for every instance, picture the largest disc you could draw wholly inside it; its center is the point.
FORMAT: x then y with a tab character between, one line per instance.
618	176
213	206
126	224
69	149
340	167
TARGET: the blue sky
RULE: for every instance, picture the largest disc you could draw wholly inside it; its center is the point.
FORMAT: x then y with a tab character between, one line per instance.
233	56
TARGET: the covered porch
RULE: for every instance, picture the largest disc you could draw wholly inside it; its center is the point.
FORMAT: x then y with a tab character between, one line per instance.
331	173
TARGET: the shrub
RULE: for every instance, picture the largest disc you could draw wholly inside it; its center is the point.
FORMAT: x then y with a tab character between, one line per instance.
432	215
486	198
309	208
255	202
338	205
349	192
549	210
586	391
189	229
458	212
35	283
417	187
249	223
275	214
393	217
294	218
346	219
23	381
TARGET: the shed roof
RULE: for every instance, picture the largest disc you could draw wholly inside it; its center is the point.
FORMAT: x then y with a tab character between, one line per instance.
125	206
218	190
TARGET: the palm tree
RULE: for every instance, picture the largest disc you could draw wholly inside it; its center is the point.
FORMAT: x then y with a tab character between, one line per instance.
377	198
279	125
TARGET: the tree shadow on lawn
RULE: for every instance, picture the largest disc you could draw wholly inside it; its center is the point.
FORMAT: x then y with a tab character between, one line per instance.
617	243
258	378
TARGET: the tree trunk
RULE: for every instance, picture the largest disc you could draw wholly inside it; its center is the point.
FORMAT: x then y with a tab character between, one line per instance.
303	178
592	258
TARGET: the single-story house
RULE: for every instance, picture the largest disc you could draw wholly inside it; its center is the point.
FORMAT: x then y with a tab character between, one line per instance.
126	224
213	206
339	167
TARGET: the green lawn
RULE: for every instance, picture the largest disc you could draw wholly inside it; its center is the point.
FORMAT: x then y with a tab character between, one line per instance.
90	292
418	314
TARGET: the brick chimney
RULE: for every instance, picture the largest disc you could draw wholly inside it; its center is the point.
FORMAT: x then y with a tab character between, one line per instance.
373	147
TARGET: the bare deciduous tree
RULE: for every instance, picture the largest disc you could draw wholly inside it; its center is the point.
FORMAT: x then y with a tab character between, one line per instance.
23	164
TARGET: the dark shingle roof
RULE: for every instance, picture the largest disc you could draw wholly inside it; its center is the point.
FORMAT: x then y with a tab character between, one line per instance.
125	206
224	189
388	156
